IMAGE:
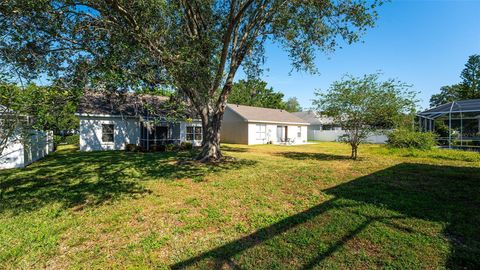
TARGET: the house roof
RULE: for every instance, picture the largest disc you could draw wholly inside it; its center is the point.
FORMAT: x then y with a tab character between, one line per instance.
313	118
124	104
266	115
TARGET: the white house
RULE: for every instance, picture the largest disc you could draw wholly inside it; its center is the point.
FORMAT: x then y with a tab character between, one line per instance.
112	121
253	125
23	148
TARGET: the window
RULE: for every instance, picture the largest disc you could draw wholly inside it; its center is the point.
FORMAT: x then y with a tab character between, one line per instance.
261	131
108	132
299	133
194	133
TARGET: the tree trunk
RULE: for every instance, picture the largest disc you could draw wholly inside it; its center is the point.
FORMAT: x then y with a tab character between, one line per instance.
211	137
354	151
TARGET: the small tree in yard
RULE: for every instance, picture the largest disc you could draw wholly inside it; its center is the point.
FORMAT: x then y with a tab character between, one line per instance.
365	105
195	46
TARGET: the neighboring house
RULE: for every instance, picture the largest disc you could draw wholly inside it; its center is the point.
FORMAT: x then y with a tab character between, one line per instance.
323	128
110	122
318	122
23	148
253	125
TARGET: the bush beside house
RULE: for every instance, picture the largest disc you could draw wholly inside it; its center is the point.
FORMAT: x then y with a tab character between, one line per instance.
412	139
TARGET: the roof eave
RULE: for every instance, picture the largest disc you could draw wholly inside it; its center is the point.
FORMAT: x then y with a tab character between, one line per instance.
278	122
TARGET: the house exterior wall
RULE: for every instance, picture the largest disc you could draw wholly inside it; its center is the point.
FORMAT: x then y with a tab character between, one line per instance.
234	128
126	131
271	133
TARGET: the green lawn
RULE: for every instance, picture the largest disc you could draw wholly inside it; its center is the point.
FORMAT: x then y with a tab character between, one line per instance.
296	207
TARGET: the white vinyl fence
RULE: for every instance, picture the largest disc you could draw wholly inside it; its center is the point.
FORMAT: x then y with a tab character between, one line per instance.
20	154
334	135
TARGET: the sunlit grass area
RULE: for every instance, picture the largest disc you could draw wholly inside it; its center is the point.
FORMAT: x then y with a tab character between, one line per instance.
284	207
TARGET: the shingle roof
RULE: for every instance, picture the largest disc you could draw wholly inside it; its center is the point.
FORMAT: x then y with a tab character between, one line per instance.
257	114
125	104
313	118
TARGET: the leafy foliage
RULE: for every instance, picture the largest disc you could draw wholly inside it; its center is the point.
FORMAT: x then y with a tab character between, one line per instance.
35	107
195	47
255	93
469	88
364	105
73	139
402	138
51	107
292	105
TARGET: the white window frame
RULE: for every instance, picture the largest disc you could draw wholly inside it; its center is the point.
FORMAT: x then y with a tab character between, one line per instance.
299	132
260	131
194	133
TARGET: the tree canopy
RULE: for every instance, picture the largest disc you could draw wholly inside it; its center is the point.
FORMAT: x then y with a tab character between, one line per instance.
48	107
469	88
292	105
255	93
364	105
194	46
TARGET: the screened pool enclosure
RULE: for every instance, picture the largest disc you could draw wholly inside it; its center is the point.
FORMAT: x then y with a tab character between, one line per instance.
457	123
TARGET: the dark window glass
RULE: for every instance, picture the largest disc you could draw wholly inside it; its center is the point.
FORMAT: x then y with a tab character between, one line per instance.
194	133
108	132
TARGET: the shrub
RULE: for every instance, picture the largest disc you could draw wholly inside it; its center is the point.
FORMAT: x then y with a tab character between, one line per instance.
132	148
171	147
186	146
57	139
73	139
412	139
158	148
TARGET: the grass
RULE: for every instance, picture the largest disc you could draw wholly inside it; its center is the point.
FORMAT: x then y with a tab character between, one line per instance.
295	207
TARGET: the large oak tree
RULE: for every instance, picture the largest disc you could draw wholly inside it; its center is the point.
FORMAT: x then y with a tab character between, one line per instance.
194	46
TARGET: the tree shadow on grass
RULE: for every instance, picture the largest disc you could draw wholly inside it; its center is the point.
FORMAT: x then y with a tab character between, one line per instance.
80	179
313	156
234	149
387	204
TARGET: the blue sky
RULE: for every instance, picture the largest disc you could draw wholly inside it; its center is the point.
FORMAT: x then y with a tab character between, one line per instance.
423	43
